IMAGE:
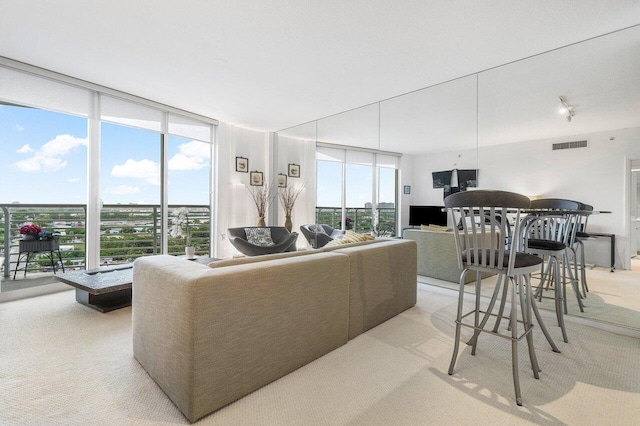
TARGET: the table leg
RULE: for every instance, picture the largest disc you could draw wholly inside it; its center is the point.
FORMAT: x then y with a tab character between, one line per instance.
613	252
104	302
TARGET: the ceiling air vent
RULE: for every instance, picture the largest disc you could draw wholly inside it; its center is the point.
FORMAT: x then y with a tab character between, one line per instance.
570	145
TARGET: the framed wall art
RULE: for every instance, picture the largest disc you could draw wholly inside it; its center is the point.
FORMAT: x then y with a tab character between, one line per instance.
294	170
242	165
256	179
282	180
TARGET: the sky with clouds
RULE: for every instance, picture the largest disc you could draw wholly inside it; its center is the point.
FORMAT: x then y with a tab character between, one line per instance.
44	157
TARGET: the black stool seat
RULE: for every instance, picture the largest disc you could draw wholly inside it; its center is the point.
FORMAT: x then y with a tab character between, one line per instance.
546	245
523	260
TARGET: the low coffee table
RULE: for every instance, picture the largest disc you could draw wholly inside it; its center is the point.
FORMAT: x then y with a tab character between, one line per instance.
102	289
106	289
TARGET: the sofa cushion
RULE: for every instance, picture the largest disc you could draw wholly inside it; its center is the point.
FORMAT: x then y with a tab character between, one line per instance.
259	236
253	259
383	281
347	244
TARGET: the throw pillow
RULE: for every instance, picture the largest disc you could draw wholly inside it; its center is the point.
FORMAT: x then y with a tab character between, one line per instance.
353	237
336	242
259	236
434	228
318	229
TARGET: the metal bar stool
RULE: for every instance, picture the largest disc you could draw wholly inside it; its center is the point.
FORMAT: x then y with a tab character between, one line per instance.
578	251
551	233
486	249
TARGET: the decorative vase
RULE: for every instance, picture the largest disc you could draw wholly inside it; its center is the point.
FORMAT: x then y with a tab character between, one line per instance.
29	237
261	222
190	252
287	223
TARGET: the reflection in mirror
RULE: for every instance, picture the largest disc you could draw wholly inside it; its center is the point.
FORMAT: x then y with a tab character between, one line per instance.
525	145
356	128
357	184
438	126
295	146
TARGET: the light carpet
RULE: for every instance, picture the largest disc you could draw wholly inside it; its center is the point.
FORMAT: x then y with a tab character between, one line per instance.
62	363
613	298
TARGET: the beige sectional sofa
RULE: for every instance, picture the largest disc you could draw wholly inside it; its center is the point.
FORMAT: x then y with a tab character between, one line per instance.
437	255
208	335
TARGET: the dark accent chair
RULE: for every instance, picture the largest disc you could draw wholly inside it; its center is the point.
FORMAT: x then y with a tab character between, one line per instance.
320	239
283	239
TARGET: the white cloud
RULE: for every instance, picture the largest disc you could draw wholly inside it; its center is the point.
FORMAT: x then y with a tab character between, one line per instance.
73	180
18	128
184	162
61	145
25	149
123	190
143	169
192	156
47	157
41	164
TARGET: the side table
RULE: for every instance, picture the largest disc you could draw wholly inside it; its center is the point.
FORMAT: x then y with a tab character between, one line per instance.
30	247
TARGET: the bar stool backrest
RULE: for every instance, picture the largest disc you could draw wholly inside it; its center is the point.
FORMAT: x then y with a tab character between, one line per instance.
584	216
483	232
556	220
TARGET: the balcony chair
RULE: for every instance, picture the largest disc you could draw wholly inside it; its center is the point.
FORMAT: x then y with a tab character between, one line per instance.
281	238
319	235
487	249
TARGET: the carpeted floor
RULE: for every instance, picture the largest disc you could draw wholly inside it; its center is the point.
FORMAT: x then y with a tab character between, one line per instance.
64	364
613	298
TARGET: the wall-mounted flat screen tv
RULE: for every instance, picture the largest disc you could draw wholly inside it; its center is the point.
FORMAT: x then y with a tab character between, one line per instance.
427	215
467	179
441	179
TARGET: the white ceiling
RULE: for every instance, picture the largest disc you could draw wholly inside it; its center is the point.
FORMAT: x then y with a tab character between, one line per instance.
273	64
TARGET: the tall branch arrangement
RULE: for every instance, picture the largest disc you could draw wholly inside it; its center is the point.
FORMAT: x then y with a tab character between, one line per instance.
288	197
262	197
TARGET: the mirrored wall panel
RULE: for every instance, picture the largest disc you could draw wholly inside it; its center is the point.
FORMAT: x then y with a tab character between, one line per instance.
566	124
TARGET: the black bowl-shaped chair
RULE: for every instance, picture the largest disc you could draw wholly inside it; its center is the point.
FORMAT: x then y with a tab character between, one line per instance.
282	238
318	238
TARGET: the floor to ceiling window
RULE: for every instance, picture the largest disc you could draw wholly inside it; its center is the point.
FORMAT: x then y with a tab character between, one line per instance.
329	193
357	190
189	195
42	170
130	192
104	172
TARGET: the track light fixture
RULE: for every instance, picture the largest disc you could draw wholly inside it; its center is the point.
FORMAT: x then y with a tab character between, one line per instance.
566	109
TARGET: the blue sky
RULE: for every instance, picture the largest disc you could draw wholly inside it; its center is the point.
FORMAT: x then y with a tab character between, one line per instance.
358	184
44	157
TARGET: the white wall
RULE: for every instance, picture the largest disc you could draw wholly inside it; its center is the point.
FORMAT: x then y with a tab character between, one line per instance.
597	175
406	177
302	152
235	207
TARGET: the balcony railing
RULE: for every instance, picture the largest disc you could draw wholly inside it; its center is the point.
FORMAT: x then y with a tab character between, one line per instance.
361	219
126	232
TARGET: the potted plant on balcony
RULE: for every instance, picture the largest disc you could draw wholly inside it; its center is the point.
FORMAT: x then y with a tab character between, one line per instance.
181	228
30	231
288	197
